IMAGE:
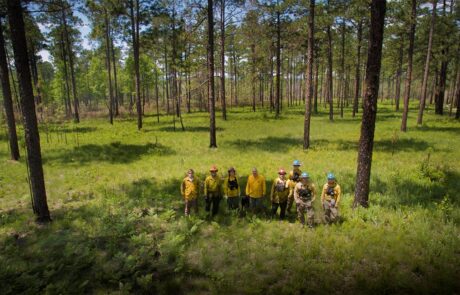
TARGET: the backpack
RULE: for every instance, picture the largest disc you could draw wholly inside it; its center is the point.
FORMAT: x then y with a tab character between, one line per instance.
280	186
305	194
233	184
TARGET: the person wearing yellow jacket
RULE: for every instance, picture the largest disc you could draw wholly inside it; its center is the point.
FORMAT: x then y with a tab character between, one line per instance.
304	195
330	198
232	189
190	190
255	190
294	178
213	191
279	194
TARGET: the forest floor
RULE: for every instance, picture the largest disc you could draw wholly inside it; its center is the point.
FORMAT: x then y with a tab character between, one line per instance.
118	222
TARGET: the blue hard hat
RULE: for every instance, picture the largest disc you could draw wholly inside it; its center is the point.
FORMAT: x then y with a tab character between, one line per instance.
330	176
296	163
304	175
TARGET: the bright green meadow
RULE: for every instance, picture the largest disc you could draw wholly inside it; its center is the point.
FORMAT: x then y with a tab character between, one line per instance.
118	224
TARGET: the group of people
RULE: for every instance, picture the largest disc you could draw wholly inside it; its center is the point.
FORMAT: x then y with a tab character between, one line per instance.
296	187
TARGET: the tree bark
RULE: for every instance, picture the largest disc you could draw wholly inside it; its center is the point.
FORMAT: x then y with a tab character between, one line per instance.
358	67
212	107
315	94
439	99
398	75
457	96
115	80
222	60
410	54
72	70
427	66
278	65
7	99
253	76
329	73
135	40
342	69
66	77
109	72
366	141
34	158
309	77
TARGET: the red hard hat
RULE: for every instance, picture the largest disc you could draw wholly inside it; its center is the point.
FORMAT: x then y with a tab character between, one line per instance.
213	168
281	171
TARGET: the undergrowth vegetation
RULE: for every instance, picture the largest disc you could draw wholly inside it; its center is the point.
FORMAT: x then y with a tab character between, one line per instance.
118	217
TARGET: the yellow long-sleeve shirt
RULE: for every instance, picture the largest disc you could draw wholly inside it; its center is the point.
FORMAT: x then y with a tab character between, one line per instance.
292	182
326	194
212	185
280	190
231	191
190	189
256	188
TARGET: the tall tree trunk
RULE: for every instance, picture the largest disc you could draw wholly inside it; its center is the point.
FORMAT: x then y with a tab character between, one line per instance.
398	75
222	59
72	70
272	103
366	141
315	94
7	99
329	73
440	93
34	72
34	158
439	99
358	67
342	69
109	72
278	65
212	107
410	54
115	80
66	77
253	76
457	96
309	77
135	39
427	66
157	100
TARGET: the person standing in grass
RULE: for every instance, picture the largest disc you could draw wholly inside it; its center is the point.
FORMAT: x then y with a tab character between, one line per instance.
190	190
294	178
279	194
256	189
232	189
330	198
304	195
213	191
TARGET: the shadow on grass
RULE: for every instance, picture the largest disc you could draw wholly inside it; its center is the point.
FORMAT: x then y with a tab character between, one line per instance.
188	128
114	152
451	129
405	191
279	144
389	145
66	129
269	144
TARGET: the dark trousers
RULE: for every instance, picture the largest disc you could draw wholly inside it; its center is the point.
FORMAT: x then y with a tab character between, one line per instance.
282	207
213	200
245	202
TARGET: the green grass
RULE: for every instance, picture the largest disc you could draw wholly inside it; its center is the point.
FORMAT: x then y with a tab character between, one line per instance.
114	196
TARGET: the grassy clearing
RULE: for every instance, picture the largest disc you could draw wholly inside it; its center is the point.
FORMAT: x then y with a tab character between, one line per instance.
118	224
